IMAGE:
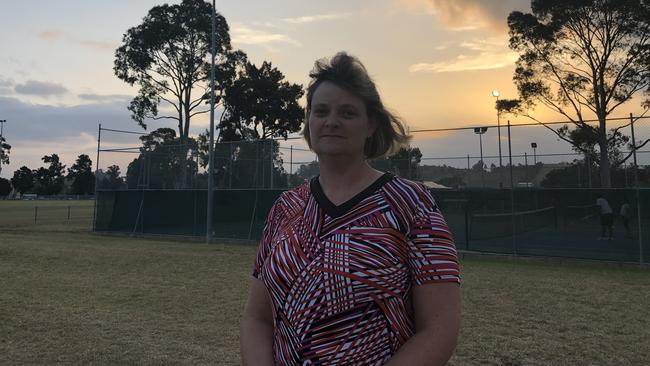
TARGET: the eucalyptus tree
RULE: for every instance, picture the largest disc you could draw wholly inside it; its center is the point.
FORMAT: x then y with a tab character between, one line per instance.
582	59
168	57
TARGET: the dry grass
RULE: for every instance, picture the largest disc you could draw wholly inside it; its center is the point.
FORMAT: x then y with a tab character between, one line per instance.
75	298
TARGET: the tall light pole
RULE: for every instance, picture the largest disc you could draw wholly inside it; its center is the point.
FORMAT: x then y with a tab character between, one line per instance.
480	131
2	124
208	234
534	146
496	94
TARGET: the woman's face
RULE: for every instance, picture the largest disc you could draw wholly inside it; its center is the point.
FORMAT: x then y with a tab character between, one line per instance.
338	122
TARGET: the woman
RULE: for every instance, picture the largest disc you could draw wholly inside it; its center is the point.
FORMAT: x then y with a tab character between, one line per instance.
356	267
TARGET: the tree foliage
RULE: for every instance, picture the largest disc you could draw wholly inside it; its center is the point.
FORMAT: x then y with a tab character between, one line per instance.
5	149
305	172
81	174
582	58
23	180
5	187
260	104
168	57
404	162
111	179
245	164
49	181
162	160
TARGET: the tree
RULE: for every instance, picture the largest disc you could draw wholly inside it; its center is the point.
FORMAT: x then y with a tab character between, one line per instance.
112	179
49	181
168	57
479	166
5	149
404	162
83	179
260	104
581	58
305	172
23	180
160	164
5	187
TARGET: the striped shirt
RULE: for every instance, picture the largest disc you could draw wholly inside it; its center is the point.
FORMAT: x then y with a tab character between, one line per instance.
340	277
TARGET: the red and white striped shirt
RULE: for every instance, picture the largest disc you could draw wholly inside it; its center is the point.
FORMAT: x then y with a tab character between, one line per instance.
340	277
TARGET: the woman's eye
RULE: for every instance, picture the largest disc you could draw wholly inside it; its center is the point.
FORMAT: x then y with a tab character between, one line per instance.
320	112
348	114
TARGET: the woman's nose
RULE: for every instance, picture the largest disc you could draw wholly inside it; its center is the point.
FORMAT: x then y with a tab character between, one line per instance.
332	121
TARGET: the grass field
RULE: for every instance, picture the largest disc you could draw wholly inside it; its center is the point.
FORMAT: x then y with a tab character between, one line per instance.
76	298
56	214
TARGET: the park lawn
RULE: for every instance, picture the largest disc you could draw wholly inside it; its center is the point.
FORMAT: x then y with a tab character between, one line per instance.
77	298
54	215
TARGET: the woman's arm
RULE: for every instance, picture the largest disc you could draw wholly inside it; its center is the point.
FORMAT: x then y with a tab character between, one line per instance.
256	333
437	322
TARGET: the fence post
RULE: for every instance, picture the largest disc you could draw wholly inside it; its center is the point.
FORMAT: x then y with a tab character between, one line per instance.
35	213
512	193
230	163
526	166
589	171
68	214
99	141
290	166
271	160
636	186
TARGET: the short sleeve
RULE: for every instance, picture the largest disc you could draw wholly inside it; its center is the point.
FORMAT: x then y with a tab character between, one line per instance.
432	252
271	226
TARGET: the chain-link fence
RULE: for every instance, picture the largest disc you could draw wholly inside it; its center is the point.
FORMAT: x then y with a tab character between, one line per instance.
49	214
534	194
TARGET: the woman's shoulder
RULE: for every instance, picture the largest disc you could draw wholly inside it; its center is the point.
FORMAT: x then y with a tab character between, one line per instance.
294	195
408	189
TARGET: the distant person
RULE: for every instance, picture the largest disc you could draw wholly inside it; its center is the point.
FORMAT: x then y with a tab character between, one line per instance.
606	218
356	266
626	214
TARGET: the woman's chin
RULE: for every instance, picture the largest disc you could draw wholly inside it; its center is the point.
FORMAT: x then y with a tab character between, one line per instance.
334	151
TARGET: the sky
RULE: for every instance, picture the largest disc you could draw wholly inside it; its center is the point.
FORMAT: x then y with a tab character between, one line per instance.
435	62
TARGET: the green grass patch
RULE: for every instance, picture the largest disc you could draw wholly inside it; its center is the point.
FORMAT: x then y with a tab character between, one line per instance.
77	298
47	215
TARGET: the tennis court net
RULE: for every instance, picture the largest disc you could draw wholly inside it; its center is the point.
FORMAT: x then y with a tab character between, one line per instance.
497	225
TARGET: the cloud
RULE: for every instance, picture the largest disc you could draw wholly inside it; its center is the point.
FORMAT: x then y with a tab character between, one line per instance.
109	98
477	54
316	18
57	35
482	61
245	35
6	86
40	88
467	15
35	130
51	35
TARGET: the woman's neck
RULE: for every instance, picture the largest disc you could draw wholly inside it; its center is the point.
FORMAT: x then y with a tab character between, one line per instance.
341	179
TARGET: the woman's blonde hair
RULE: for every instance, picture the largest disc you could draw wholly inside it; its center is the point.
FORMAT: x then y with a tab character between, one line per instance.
348	72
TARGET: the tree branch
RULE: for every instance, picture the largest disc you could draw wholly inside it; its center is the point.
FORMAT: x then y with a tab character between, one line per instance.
634	149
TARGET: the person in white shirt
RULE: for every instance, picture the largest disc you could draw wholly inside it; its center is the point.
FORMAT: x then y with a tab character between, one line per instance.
606	217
